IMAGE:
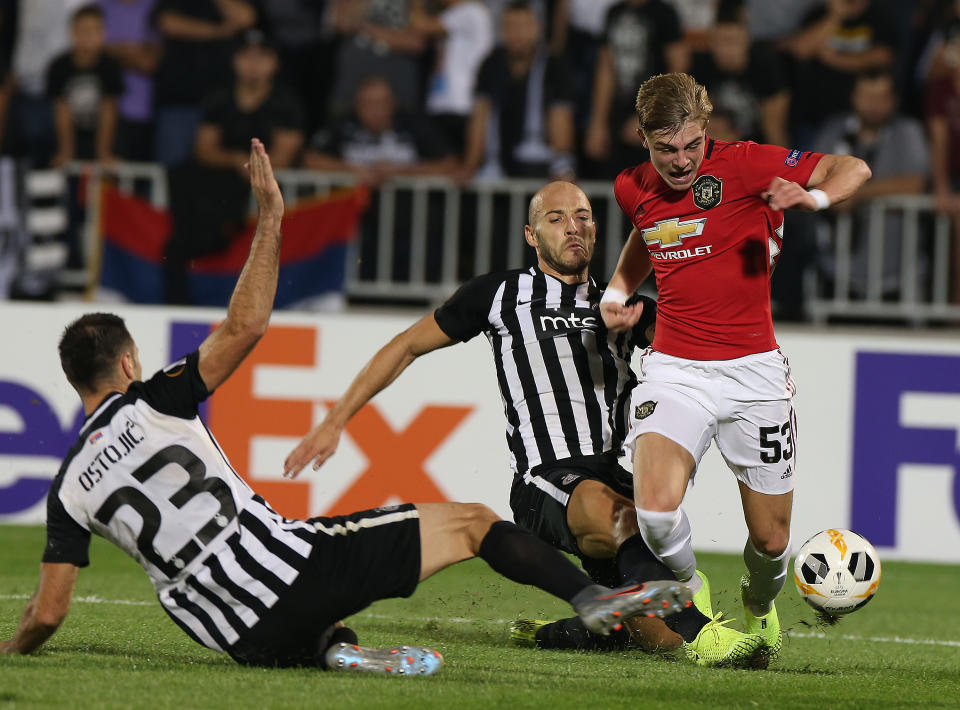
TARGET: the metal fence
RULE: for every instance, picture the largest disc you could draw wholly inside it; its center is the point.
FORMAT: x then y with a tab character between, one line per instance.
889	260
423	236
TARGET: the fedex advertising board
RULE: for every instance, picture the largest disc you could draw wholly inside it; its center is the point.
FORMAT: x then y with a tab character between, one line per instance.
878	434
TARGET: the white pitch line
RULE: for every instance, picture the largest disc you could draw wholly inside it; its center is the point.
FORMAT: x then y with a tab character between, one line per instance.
873	639
468	620
88	600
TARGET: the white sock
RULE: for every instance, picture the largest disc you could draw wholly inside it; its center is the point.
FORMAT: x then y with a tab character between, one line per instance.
668	535
766	576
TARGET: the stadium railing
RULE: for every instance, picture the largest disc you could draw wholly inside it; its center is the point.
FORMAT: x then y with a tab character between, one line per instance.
888	260
424	236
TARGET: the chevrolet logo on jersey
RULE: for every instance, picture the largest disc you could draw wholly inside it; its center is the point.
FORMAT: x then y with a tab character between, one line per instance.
671	232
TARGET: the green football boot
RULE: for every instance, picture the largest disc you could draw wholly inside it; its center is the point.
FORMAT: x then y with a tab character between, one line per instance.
701	599
523	632
718	645
767	626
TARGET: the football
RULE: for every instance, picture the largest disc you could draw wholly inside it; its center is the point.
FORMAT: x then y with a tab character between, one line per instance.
837	571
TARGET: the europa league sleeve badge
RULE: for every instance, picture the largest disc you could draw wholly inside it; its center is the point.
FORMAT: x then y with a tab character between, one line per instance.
707	191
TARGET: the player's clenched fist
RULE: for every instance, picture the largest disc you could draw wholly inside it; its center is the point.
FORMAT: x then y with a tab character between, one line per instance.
618	317
784	194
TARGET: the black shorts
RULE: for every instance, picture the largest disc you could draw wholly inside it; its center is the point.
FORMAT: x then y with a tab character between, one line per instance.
539	498
356	560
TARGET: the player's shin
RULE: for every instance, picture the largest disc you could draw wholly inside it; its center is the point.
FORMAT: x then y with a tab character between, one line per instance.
766	576
637	563
524	558
668	535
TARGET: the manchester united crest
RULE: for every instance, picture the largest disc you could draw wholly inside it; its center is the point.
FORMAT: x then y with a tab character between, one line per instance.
644	410
707	191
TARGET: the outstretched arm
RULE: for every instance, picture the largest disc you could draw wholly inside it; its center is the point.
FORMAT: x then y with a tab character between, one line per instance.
46	609
393	358
836	178
252	301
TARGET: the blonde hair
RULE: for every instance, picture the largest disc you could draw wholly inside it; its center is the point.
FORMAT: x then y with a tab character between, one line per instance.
667	101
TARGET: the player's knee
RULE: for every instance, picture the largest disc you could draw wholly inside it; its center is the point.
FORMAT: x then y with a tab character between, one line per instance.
773	544
475	522
659	500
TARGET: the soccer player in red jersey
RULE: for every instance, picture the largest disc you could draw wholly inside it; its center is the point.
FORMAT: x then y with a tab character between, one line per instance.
708	220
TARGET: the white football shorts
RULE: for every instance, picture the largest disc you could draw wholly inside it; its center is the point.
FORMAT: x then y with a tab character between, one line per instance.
743	404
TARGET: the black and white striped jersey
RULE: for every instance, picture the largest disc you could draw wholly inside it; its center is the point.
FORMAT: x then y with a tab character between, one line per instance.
564	379
148	475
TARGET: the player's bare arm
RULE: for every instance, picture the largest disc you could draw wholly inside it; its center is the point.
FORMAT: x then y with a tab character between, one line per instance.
422	337
632	269
252	301
837	177
46	609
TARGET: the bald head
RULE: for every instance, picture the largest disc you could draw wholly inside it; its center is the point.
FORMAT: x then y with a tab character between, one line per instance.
560	227
557	192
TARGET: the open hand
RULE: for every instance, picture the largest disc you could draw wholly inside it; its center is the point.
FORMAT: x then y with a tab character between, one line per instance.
317	446
262	181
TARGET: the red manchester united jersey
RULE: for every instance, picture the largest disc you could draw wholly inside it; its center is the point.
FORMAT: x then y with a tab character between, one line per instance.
712	246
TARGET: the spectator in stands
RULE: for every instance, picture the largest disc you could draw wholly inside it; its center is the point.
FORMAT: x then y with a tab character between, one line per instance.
305	43
43	32
943	124
377	40
255	106
941	51
378	142
464	34
132	41
640	38
544	10
522	120
838	40
896	149
697	18
745	80
776	20
578	28
198	38
209	198
84	84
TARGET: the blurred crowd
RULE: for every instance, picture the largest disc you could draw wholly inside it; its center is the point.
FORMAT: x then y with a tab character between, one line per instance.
472	88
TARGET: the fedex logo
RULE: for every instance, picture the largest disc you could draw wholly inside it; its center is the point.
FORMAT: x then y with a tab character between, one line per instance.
890	430
395	457
38	433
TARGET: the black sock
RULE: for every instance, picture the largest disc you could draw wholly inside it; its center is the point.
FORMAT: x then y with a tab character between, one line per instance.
637	563
571	635
523	558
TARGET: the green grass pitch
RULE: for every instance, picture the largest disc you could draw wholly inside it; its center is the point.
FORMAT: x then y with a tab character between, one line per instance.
118	649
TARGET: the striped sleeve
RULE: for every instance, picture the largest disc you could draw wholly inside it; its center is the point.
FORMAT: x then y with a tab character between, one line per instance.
466	313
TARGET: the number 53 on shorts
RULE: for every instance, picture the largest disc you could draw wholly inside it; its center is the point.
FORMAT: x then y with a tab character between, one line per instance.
776	443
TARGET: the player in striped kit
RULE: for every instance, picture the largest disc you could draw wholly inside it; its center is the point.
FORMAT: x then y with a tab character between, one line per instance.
708	220
565	381
146	474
